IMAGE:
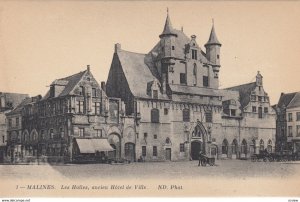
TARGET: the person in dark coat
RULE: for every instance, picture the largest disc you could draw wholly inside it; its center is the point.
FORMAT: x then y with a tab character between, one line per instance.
200	158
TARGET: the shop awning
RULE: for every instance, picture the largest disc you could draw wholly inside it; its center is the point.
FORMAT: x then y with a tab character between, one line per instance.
90	146
101	145
85	146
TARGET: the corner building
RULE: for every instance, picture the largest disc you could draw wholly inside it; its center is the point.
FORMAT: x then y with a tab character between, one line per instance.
172	93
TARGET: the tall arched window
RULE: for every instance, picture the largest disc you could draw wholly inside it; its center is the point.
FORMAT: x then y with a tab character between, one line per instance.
270	146
155	116
244	147
195	75
234	146
261	145
225	147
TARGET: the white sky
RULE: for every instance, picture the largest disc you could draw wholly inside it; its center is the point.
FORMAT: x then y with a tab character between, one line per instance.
43	41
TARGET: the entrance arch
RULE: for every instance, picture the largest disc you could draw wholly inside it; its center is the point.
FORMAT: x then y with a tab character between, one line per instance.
130	151
114	140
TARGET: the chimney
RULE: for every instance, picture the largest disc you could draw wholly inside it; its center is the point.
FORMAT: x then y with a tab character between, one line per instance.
88	68
117	47
103	87
193	37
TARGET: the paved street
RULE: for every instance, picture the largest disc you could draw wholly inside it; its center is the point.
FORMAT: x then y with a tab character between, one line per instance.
188	169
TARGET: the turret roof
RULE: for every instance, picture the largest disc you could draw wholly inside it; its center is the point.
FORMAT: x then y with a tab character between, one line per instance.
213	38
168	29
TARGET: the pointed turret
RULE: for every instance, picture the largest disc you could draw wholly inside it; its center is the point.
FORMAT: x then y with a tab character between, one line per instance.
168	29
213	40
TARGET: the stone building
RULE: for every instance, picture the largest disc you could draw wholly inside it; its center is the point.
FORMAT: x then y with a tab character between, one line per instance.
173	94
75	120
288	122
8	101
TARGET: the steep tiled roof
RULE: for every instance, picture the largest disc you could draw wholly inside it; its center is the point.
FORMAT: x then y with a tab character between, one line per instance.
244	92
285	99
138	70
19	108
295	102
168	29
69	82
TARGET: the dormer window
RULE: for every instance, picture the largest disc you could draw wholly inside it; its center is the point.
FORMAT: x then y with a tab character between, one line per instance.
194	54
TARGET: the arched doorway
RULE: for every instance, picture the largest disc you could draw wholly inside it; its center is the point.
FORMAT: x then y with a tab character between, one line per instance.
195	149
112	154
130	151
115	142
234	149
244	149
225	148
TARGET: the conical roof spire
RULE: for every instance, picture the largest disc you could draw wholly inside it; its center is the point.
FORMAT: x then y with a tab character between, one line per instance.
168	29
213	40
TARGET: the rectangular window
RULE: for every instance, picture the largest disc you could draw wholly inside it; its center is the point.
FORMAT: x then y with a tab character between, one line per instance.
290	117
266	110
145	135
9	122
186	115
81	90
233	112
253	109
208	117
298	116
182	147
81	132
94	92
80	107
155	94
259	98
182	78
155	136
173	47
205	81
144	151
194	54
155	116
155	151
166	111
17	122
298	130
98	133
96	108
260	112
290	131
62	132
253	97
51	134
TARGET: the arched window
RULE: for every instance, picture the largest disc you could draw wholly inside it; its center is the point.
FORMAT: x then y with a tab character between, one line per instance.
155	116
234	146
225	147
168	141
261	145
244	147
195	75
270	146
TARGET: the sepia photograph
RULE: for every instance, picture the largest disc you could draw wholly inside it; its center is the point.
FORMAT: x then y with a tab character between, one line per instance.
149	99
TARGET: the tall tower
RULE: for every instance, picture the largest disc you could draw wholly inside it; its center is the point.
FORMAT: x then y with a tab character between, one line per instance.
167	45
213	51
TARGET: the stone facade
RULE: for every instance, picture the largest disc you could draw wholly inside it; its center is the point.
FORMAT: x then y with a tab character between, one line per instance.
173	94
288	122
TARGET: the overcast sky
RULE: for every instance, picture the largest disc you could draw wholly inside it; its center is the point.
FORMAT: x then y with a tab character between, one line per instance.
43	41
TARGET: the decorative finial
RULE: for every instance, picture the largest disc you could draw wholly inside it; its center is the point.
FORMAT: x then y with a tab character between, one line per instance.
213	22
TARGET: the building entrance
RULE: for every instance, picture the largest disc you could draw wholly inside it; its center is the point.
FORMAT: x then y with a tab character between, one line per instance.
168	154
130	151
195	149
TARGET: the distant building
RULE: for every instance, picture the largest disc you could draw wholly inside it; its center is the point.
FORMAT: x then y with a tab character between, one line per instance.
288	122
173	94
8	101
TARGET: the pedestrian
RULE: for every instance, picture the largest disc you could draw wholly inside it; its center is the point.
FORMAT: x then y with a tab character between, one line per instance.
200	158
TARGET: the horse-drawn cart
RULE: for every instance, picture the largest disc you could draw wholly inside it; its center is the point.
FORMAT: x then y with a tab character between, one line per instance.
204	160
